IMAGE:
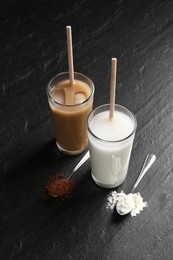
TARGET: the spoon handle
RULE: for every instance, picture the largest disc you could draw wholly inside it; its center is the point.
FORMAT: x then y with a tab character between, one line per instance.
150	159
84	159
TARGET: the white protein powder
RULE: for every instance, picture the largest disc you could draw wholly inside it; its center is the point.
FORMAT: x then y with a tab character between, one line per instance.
128	203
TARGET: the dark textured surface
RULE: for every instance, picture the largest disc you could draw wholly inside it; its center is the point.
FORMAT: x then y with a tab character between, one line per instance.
32	50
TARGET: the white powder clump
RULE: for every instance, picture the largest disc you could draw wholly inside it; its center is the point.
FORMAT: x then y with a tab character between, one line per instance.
131	203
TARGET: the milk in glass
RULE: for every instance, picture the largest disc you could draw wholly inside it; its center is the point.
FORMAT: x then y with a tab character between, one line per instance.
110	144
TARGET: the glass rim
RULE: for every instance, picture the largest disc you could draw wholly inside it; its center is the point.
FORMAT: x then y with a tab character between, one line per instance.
76	105
110	141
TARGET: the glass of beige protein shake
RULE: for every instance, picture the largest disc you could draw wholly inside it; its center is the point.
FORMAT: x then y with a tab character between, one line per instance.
70	106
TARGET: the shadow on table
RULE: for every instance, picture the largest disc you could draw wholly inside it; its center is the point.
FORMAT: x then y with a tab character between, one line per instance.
25	180
29	171
116	218
81	218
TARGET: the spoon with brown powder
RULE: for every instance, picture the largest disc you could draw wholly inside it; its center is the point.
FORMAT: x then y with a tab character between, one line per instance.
60	187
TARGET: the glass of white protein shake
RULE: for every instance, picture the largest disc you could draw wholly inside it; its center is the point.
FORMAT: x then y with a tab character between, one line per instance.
110	144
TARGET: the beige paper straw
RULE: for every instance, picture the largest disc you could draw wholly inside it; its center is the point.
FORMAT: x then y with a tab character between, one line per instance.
70	54
113	87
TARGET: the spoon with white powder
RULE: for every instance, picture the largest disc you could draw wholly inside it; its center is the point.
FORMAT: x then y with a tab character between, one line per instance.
133	202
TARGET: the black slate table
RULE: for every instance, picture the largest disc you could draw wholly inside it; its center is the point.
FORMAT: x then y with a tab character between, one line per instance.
32	51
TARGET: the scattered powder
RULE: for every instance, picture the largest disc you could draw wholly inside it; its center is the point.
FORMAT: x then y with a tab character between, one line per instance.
131	203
